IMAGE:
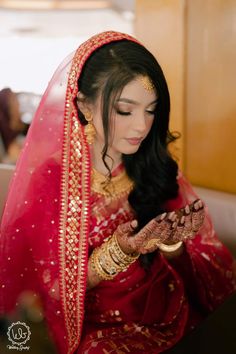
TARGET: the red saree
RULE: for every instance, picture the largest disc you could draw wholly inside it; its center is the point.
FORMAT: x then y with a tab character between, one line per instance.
50	224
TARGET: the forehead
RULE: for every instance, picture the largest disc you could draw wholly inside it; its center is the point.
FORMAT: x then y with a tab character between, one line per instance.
139	89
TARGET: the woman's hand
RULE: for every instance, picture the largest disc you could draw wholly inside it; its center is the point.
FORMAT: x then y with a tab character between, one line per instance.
168	228
156	231
190	220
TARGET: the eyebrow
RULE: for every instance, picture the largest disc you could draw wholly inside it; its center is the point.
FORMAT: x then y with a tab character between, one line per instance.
127	100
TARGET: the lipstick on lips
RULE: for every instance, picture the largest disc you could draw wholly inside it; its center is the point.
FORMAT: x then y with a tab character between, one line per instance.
134	141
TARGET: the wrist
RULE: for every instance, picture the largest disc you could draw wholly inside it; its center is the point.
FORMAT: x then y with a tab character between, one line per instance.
109	259
171	251
124	244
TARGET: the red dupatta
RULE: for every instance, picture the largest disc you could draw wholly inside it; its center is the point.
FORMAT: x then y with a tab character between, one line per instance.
44	227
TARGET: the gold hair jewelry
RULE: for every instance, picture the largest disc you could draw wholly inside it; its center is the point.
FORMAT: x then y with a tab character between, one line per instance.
89	129
146	83
170	248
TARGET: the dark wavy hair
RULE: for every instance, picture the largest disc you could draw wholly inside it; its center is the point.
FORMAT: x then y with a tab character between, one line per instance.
152	168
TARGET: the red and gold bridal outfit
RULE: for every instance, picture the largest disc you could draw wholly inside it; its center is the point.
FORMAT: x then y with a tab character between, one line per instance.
51	223
147	311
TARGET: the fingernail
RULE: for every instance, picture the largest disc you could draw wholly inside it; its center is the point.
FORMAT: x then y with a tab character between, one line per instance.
182	220
134	223
172	215
162	217
187	209
174	225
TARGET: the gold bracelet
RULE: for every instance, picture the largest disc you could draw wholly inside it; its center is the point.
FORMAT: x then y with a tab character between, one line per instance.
107	263
118	252
97	266
108	260
170	248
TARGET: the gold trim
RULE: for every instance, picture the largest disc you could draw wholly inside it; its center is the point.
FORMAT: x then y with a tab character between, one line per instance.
75	199
111	188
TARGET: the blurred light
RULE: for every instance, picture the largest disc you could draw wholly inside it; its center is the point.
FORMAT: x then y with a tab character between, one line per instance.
128	15
55	4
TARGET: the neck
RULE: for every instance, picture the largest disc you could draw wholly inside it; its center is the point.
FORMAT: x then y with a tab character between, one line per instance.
113	159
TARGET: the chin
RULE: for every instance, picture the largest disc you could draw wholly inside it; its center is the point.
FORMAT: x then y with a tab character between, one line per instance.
130	150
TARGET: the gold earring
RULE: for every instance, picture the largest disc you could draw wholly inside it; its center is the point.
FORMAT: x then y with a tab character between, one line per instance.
89	128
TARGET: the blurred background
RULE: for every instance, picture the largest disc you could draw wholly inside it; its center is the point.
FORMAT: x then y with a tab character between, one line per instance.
195	43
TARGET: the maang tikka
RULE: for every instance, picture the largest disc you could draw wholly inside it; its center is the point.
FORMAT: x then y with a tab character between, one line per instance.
89	128
146	83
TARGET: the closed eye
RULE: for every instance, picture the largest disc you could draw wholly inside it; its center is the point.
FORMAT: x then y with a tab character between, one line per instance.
151	112
123	113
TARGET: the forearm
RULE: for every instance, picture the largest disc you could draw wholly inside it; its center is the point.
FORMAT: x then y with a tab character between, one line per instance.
92	277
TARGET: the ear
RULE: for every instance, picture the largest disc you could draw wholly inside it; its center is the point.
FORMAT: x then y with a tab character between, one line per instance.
82	103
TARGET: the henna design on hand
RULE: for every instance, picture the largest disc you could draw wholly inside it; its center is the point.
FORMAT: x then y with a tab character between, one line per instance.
168	228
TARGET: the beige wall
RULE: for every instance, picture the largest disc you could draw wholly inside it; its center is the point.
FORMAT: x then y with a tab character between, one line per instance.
211	94
160	25
195	43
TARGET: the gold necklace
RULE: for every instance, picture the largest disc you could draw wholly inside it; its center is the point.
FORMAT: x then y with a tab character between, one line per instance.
111	188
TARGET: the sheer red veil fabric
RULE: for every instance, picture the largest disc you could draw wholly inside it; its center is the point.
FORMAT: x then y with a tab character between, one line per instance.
45	224
45	221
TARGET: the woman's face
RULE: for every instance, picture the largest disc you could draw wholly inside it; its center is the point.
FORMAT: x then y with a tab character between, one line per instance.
131	119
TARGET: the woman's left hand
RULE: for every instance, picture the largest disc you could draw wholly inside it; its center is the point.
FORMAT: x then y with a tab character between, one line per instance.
190	219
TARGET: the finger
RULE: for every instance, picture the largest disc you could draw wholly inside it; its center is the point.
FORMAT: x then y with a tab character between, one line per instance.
184	228
165	230
126	228
187	210
198	219
196	205
161	217
172	216
177	234
148	229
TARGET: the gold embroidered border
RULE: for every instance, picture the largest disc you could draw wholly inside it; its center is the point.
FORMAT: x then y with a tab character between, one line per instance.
75	194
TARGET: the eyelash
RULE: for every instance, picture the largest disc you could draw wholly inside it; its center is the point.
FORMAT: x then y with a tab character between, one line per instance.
151	112
129	113
123	113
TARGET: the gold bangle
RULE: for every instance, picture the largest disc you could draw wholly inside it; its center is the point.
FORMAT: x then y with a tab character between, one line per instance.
170	248
97	266
107	263
104	269
108	260
124	258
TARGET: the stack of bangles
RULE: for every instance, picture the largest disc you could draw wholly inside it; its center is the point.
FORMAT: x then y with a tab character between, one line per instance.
108	260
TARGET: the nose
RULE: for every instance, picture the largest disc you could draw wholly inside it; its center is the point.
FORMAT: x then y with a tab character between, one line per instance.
140	124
